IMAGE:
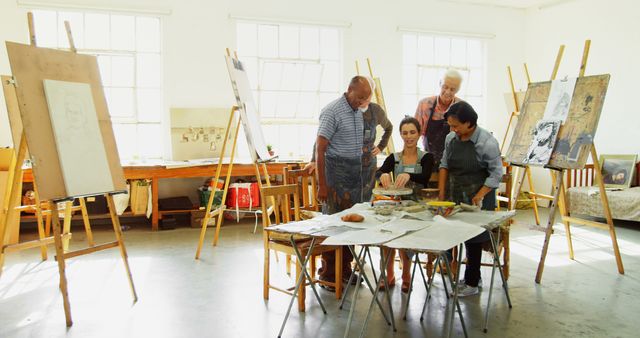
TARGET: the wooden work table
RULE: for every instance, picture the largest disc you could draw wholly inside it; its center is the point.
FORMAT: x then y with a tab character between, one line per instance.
160	171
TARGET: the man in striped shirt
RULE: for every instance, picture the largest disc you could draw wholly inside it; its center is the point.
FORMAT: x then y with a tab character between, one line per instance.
339	148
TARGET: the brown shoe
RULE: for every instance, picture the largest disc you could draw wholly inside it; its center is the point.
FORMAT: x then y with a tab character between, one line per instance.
406	286
391	284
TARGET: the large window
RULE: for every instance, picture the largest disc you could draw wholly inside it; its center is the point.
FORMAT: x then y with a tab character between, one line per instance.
294	70
129	56
427	57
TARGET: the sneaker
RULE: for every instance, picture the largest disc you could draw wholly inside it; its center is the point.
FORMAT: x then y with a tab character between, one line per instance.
465	290
479	283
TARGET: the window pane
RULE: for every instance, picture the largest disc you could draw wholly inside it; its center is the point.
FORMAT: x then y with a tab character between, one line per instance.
45	24
311	77
148	69
271	135
329	44
442	51
289	140
120	102
76	21
268	103
324	99
474	49
126	140
309	43
330	77
287	104
96	31
150	140
268	41
247	39
122	32
307	105
409	49
475	83
428	81
410	79
307	139
149	105
289	42
271	76
122	71
458	52
104	63
147	34
291	76
425	50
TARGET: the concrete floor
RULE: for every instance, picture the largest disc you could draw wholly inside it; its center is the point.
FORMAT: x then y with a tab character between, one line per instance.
221	294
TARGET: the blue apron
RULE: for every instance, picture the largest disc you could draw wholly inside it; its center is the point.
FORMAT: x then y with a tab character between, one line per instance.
369	163
416	168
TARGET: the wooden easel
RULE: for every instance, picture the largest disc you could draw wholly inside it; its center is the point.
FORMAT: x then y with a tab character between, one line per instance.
220	210
559	198
379	99
58	236
11	210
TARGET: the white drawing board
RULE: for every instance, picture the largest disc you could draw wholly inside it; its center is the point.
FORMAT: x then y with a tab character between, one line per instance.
83	159
248	111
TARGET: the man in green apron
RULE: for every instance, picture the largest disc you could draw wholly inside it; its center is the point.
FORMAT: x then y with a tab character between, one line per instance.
339	156
471	166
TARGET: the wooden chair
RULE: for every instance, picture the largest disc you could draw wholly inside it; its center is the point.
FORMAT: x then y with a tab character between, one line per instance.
307	187
283	195
580	177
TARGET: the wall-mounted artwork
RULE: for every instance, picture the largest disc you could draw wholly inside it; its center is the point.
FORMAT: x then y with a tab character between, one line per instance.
576	134
198	133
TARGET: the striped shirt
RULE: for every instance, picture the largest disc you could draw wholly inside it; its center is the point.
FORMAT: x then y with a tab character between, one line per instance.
487	154
343	127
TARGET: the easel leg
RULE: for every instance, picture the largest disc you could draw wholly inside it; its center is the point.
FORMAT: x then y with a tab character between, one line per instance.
533	196
40	222
607	210
115	220
66	224
562	206
57	237
85	220
552	215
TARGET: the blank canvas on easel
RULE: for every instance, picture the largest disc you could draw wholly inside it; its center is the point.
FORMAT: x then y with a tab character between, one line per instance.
76	131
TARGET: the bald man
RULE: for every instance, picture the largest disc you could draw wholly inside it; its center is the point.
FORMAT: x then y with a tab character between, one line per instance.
339	149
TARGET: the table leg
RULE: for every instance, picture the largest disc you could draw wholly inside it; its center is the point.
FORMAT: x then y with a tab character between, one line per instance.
454	285
496	261
383	278
155	213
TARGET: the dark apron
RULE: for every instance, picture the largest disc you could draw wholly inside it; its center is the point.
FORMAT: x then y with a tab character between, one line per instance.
369	164
466	177
400	168
344	183
435	135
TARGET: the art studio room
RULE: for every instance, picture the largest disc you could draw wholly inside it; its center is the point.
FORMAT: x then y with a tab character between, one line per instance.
290	168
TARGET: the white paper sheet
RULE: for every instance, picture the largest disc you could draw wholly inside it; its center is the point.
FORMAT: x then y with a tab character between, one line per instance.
486	219
442	234
559	100
374	236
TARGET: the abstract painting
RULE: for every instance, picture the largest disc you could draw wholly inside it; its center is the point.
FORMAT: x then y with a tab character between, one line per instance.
544	139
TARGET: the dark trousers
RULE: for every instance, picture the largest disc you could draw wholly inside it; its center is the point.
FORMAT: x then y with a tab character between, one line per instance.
474	256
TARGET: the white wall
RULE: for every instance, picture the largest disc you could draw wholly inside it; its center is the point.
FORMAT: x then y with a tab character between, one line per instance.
614	30
197	32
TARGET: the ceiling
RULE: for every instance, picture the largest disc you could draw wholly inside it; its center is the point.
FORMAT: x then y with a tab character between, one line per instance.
520	4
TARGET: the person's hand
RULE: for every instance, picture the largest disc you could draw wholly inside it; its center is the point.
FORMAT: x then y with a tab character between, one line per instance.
402	180
322	193
385	180
375	151
310	167
477	200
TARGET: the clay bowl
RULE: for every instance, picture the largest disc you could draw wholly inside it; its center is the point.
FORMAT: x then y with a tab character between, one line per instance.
441	208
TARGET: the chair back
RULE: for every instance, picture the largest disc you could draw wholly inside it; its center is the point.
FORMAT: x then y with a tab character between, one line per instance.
580	177
283	195
307	187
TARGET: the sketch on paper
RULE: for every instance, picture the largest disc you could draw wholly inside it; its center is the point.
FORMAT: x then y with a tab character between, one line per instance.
78	138
198	133
544	138
248	111
559	99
